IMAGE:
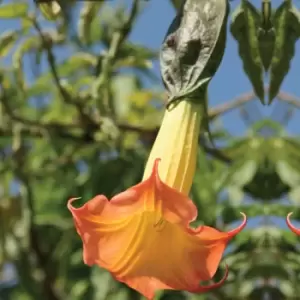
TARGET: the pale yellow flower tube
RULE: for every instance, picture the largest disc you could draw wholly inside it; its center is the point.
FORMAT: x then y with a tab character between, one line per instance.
176	145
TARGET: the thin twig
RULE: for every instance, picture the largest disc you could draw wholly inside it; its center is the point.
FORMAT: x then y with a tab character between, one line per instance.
37	130
47	45
289	99
108	59
231	105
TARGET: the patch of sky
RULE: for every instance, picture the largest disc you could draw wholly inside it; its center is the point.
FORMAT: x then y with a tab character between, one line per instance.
8	276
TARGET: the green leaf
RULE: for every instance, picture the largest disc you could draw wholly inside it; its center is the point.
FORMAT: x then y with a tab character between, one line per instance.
88	13
28	45
77	62
266	47
100	275
246	288
38	89
236	148
288	174
51	11
244	28
287	288
187	69
242	173
104	24
266	35
294	19
79	288
267	270
135	56
26	25
266	183
7	41
235	195
287	34
53	219
176	4
123	86
294	195
13	10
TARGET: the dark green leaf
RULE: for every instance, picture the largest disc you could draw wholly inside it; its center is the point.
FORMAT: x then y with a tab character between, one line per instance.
193	47
244	27
287	33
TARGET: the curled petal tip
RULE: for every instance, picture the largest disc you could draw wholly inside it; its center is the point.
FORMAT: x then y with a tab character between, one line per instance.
223	279
235	231
70	201
290	225
214	285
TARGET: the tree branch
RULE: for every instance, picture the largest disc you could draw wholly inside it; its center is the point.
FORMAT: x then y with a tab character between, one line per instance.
38	130
67	98
230	105
48	280
115	45
289	99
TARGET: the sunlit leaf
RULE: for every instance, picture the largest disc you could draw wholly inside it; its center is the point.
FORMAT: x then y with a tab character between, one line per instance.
13	10
50	10
7	41
88	13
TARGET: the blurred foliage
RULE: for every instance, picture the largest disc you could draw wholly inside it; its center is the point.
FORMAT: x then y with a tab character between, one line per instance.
266	39
76	119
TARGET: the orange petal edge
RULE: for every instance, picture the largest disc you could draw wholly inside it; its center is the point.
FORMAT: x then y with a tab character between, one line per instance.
290	225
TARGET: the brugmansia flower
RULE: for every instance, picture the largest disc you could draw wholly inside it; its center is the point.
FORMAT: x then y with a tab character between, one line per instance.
291	226
142	235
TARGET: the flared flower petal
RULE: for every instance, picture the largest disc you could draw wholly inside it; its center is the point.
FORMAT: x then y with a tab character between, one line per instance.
291	226
142	236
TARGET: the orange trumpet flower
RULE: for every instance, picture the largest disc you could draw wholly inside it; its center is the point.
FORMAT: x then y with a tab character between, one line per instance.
142	236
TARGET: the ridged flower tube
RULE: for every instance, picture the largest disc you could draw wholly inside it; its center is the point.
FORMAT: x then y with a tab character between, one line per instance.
142	236
176	144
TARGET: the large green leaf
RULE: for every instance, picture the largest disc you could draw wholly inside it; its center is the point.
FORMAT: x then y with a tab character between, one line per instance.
286	24
266	35
244	28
